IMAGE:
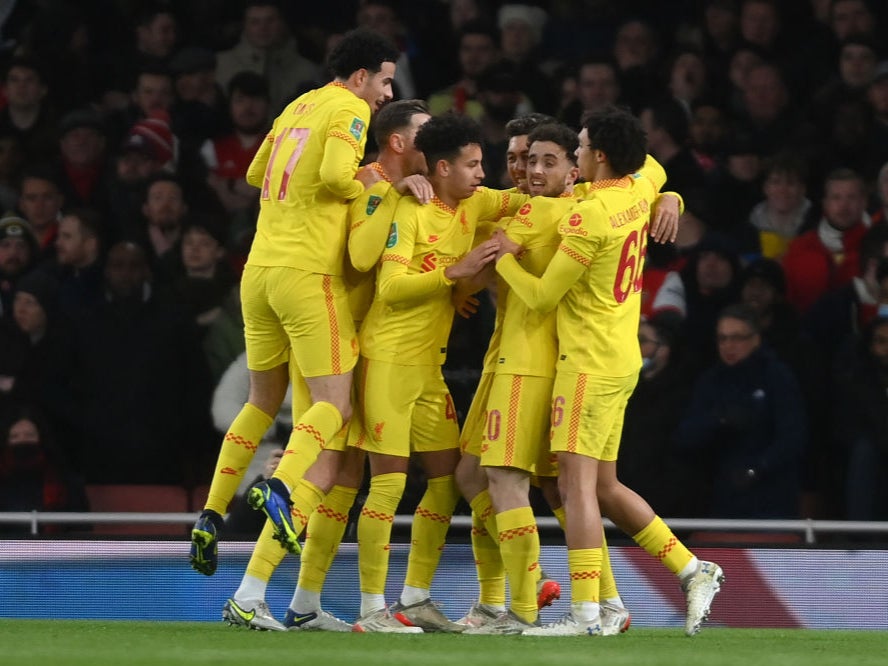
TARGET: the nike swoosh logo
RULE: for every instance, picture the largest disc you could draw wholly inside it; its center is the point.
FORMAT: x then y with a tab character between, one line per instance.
244	615
299	620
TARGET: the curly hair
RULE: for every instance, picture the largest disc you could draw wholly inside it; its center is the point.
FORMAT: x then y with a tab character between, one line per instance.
442	137
361	49
618	134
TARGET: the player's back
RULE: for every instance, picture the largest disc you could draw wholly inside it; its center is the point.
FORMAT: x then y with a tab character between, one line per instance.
598	317
302	221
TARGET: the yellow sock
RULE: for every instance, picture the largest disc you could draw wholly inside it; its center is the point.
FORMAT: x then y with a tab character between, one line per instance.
520	547
323	535
608	585
375	529
585	575
306	497
560	516
485	548
267	554
238	448
315	428
430	524
659	541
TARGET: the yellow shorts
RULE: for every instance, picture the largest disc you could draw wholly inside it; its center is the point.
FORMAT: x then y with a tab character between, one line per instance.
406	408
473	428
517	430
587	413
298	317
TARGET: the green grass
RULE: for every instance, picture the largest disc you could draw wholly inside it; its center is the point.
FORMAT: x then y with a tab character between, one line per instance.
93	643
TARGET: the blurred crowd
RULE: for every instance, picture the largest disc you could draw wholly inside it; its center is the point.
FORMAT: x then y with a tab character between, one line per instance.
126	128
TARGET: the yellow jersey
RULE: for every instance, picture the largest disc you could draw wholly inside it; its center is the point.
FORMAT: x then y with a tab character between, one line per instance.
305	170
529	342
595	278
411	315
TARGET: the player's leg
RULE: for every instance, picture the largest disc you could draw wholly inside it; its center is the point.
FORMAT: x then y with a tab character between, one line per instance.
323	535
472	482
267	356
701	580
434	436
386	393
313	309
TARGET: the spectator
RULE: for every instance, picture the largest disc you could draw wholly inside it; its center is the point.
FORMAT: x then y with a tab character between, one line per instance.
143	386
477	51
227	157
707	283
747	415
206	278
200	112
18	254
156	34
499	92
382	16
83	143
40	203
34	475
598	86
860	427
826	257
521	31
877	98
267	47
880	215
708	133
163	209
785	208
689	78
27	114
843	313
151	96
35	353
636	49
78	265
647	450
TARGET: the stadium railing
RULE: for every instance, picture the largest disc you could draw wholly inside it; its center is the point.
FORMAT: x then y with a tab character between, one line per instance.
807	529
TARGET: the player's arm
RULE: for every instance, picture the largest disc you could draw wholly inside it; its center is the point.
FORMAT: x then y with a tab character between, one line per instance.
395	282
343	149
256	170
370	217
497	204
667	209
543	293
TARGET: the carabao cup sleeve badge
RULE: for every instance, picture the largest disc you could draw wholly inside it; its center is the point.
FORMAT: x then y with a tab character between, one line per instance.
357	128
393	236
373	203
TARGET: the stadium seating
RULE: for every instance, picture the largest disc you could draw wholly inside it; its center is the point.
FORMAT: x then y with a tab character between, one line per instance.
139	499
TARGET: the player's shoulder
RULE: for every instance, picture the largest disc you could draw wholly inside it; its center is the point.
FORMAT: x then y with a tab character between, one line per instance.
582	218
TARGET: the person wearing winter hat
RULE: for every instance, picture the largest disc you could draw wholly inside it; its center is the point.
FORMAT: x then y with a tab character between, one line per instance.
153	138
18	253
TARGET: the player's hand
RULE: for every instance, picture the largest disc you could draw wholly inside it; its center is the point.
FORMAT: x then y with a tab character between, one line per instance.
664	222
417	185
367	176
474	261
507	245
464	303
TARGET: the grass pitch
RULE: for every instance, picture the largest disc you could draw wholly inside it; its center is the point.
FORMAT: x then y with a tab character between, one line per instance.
94	643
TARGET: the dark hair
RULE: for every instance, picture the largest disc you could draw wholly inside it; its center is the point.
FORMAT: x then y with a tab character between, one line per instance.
843	174
45	172
670	116
26	62
557	133
90	221
147	11
527	123
395	116
617	133
744	313
442	137
479	27
882	270
786	164
361	49
250	84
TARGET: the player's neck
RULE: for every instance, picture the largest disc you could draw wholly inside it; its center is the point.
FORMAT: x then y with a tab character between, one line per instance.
392	166
605	172
443	194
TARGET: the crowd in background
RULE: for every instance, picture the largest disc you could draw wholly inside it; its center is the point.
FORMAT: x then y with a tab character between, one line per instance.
126	128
